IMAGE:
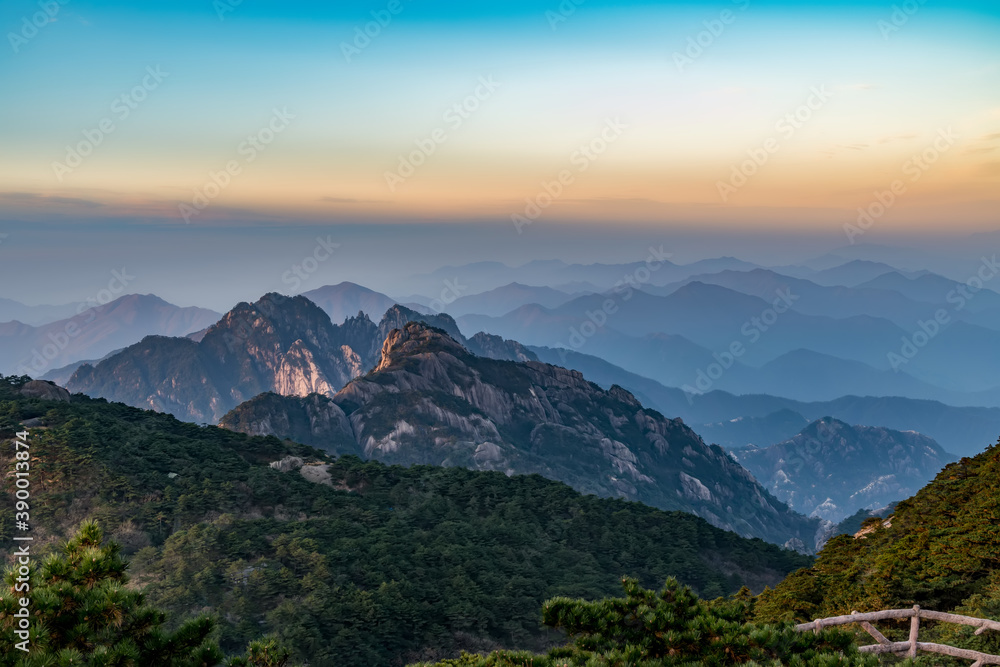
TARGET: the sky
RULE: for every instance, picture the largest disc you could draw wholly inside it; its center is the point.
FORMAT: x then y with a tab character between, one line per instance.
190	136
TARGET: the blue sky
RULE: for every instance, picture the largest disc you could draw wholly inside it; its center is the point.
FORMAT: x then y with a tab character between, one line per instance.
891	93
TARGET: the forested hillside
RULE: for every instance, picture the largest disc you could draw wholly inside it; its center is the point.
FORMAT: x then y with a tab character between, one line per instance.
367	565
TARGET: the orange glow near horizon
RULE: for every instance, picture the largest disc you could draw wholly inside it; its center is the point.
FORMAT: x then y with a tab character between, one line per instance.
820	110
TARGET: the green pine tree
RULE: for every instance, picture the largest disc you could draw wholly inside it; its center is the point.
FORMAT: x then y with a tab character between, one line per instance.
83	613
265	652
673	627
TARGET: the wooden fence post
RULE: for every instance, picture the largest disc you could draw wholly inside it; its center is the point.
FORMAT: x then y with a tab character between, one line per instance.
914	630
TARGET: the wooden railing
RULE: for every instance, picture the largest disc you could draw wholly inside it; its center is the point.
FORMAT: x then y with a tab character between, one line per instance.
911	646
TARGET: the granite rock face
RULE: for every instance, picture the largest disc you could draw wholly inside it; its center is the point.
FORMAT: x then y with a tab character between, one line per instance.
44	390
285	345
282	344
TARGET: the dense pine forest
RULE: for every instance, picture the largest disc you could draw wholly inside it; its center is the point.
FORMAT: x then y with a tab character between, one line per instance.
379	565
203	545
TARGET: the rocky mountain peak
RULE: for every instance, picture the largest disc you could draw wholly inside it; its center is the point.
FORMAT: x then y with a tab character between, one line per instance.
826	429
282	344
358	333
398	316
416	338
624	396
278	343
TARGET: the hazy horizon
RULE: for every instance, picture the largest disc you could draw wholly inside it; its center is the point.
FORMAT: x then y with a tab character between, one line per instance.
220	268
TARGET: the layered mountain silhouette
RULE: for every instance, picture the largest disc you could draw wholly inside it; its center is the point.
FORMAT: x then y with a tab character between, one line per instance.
810	376
760	431
502	300
697	322
93	331
836	301
199	378
931	288
11	310
347	299
713	317
480	277
737	420
832	469
429	400
847	273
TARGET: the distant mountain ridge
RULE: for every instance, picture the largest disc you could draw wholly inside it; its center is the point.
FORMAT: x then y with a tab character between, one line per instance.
806	375
346	299
93	332
821	300
850	273
957	368
931	288
11	311
485	276
832	469
709	315
734	421
502	300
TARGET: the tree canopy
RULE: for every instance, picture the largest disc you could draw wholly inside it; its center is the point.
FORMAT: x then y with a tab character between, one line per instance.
672	627
83	612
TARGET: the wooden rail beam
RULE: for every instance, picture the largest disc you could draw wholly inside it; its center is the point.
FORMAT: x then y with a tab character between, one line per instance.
879	637
870	629
912	645
944	649
891	647
855	618
982	624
